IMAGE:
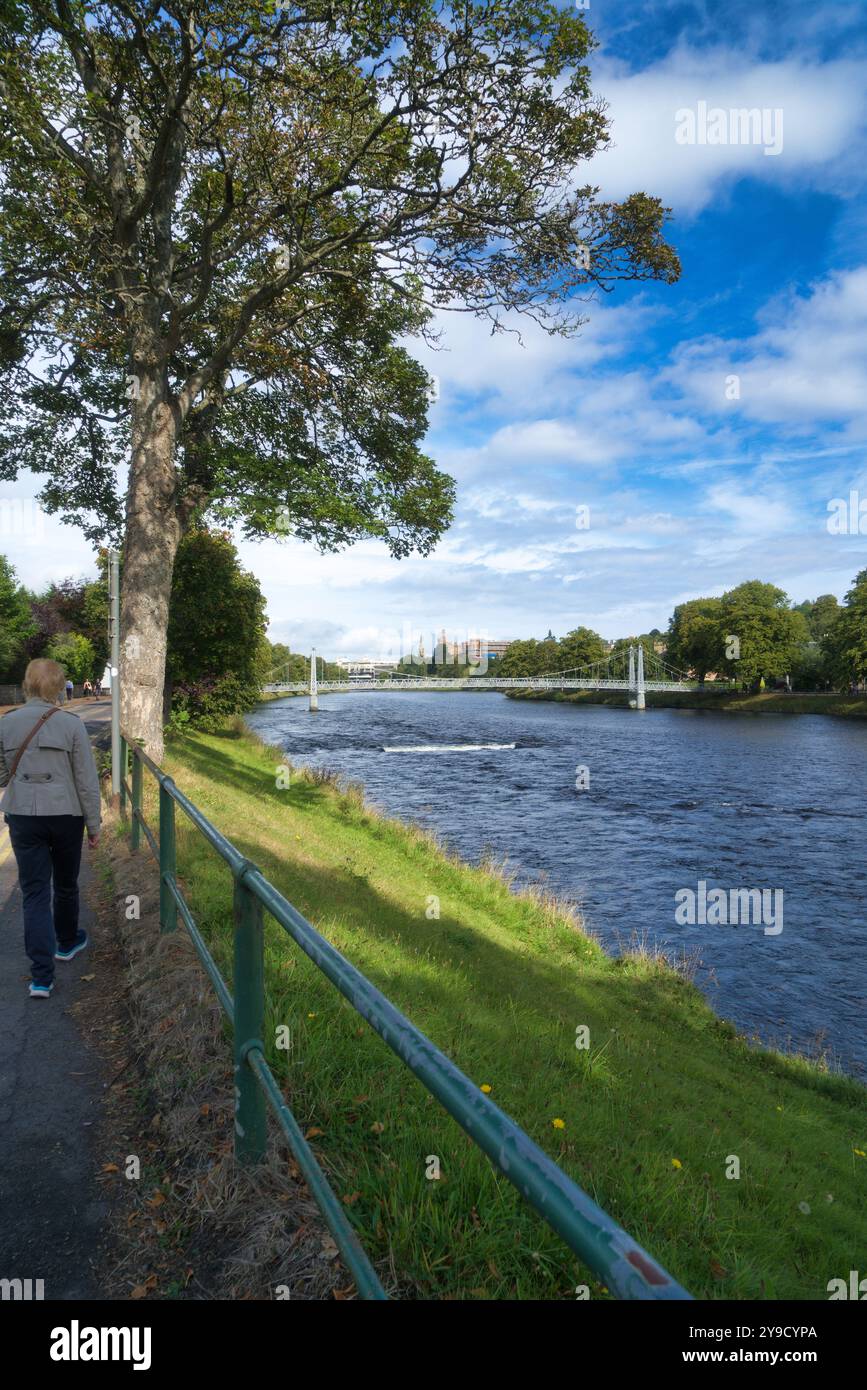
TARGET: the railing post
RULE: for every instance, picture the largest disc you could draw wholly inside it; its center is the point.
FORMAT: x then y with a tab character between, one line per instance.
250	1113
168	858
124	768
135	839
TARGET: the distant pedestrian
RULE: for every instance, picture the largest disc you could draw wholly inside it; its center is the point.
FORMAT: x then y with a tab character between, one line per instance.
52	793
88	690
69	691
97	688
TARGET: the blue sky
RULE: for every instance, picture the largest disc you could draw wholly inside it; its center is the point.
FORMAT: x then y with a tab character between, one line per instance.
689	491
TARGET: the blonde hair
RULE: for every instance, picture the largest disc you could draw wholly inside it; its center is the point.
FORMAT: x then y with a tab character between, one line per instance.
44	678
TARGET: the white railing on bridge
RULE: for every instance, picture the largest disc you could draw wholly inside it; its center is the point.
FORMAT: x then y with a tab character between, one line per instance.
475	683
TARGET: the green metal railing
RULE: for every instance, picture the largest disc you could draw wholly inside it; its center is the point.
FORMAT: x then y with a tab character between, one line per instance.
627	1270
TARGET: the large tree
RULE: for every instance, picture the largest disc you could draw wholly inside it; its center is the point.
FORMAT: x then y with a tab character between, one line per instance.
219	218
580	647
845	646
216	622
695	641
763	635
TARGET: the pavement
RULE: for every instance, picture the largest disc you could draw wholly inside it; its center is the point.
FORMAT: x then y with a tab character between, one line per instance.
52	1214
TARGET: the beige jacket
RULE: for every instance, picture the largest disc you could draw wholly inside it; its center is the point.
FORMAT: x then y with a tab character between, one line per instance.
57	775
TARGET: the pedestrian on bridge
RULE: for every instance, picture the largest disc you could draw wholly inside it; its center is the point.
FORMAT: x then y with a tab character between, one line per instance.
52	793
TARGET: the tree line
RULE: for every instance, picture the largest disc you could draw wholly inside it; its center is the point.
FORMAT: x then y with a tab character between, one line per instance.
750	635
218	655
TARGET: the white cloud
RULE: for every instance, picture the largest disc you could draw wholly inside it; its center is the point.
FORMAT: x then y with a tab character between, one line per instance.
823	106
804	366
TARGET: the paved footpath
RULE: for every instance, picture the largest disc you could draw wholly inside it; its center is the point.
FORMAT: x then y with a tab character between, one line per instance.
51	1085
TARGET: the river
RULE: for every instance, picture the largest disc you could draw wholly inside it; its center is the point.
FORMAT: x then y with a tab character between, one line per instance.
670	798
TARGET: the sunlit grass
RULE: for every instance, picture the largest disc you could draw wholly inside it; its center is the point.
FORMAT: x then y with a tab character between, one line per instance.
652	1111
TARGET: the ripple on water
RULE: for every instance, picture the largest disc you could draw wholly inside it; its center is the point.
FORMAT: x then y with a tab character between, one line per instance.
738	801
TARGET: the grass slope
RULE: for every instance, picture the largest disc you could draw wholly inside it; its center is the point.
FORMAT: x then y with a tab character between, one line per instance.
652	1110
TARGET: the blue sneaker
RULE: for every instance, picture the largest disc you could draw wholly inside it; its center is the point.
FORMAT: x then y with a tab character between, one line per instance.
69	951
40	991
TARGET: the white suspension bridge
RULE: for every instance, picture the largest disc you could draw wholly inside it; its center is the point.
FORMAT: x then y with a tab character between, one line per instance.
631	669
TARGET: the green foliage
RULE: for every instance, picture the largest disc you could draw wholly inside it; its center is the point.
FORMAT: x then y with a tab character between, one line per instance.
75	654
845	645
216	630
694	637
270	220
16	623
821	615
278	663
580	647
71	605
207	703
810	668
767	630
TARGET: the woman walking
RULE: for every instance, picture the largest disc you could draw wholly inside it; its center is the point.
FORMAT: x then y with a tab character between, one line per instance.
52	793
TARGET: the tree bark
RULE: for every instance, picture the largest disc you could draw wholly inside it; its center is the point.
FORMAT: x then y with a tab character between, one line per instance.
153	531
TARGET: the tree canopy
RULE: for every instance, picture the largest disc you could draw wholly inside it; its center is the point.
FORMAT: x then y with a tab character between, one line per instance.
219	222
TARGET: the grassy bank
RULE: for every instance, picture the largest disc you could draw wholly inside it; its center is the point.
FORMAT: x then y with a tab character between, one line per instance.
769	702
650	1114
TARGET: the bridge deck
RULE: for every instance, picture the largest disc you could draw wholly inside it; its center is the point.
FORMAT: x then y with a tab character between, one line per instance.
479	683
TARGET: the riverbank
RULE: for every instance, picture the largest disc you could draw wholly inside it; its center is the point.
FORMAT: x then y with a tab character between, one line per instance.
647	1118
727	702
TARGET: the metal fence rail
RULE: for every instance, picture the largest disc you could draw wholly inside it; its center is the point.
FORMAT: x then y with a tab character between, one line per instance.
627	1270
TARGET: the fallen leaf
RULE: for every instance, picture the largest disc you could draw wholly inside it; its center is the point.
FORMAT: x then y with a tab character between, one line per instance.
717	1270
359	1100
329	1248
377	1127
157	1199
87	977
342	1294
110	1168
314	1133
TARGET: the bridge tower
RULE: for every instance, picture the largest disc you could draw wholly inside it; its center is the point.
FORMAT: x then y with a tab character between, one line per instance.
631	668
314	687
639	680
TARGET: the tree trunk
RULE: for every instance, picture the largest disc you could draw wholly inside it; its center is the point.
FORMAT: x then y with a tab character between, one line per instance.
153	532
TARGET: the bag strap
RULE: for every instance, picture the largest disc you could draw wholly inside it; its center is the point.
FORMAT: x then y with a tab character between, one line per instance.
36	727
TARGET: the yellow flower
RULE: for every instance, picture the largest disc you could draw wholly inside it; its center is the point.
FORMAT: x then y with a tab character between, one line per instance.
860	1153
486	1088
559	1124
311	1015
676	1163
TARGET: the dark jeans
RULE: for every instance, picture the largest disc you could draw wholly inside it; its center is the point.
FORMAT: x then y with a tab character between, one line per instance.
46	847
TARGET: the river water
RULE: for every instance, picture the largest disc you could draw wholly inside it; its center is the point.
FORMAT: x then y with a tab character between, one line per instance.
669	798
